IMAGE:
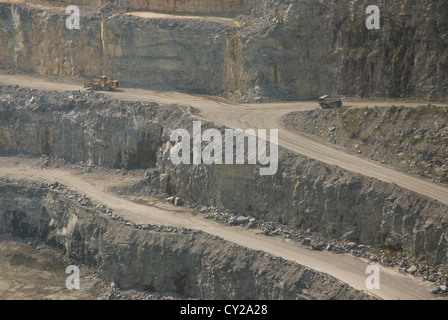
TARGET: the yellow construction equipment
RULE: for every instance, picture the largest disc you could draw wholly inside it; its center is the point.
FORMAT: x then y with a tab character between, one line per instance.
101	84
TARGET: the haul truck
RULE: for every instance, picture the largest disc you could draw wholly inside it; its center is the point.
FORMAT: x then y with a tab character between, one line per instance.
330	102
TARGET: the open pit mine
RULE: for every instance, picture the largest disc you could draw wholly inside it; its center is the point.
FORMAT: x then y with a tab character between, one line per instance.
107	191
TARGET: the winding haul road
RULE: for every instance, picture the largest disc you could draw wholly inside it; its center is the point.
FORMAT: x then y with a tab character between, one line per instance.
347	268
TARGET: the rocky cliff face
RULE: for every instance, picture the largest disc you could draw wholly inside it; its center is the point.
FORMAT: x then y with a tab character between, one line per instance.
303	193
166	53
310	195
80	129
307	48
307	194
176	54
281	50
36	41
407	57
154	259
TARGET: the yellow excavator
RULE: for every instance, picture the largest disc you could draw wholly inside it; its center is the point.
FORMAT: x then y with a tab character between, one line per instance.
101	84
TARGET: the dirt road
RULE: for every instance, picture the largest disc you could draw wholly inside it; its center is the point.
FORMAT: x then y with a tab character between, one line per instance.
263	116
347	268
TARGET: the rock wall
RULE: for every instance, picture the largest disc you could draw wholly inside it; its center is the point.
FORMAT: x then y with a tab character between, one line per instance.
303	193
168	54
176	54
154	259
311	195
78	127
36	41
308	48
282	49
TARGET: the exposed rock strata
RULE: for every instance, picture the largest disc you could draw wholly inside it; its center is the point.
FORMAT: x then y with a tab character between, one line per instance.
189	263
304	193
272	50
